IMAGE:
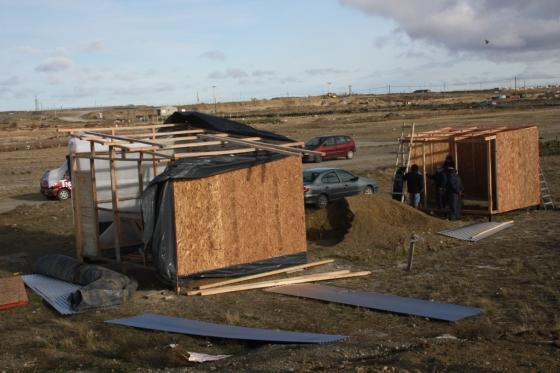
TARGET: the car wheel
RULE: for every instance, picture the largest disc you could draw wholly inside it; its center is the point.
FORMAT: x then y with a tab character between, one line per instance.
350	154
322	201
318	158
63	194
368	190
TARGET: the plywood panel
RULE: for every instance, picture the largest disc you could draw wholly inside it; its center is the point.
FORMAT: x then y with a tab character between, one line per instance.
239	217
87	221
517	163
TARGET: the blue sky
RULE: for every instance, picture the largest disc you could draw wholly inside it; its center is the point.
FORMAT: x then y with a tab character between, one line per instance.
84	53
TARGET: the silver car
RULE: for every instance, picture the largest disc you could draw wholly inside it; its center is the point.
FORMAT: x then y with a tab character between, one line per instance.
321	185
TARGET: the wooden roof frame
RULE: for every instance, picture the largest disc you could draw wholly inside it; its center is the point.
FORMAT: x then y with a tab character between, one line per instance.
449	134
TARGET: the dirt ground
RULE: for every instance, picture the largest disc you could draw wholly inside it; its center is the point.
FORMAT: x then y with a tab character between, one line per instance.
514	276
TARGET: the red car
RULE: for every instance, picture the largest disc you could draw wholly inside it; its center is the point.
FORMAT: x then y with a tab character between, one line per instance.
333	146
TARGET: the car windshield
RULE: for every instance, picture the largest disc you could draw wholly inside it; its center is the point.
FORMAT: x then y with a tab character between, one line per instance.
314	141
310	176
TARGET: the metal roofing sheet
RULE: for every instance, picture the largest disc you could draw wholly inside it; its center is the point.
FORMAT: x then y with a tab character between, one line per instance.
55	292
476	232
378	301
206	329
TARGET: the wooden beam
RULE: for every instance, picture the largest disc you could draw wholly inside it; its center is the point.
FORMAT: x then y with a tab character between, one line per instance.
425	177
489	175
124	138
266	274
161	134
217	152
262	145
127	128
94	194
287	281
78	239
115	196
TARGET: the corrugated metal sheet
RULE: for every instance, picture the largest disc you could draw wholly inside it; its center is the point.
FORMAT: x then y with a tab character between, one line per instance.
206	329
54	292
474	233
381	302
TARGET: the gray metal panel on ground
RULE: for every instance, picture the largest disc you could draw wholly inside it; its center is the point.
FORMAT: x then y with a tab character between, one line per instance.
377	301
55	292
472	232
207	329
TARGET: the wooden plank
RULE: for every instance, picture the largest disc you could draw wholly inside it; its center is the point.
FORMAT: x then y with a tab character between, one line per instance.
266	274
287	281
424	176
161	134
492	229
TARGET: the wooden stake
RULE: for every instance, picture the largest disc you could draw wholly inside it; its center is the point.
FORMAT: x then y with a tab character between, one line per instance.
265	274
489	176
411	252
286	281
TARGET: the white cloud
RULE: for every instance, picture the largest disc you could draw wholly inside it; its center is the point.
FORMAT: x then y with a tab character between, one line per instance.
55	64
263	73
93	46
24	49
231	73
214	55
325	71
11	81
509	26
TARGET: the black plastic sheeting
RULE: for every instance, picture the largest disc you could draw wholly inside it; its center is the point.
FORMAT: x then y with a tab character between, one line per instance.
101	286
158	205
377	301
212	123
206	329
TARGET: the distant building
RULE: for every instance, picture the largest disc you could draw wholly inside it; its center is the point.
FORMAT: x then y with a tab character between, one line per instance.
165	111
422	91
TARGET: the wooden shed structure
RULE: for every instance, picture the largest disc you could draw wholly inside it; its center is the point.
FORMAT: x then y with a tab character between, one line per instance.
247	208
499	166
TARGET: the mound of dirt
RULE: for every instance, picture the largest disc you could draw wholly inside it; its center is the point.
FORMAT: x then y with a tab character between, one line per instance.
365	225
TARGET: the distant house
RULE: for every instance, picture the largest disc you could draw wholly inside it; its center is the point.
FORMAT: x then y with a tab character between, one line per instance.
165	111
422	91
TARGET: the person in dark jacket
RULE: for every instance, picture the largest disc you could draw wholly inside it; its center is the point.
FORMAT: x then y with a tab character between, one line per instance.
398	184
449	163
454	191
414	185
440	179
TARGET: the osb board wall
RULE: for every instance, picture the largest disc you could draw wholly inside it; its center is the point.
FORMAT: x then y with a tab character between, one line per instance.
472	168
240	216
517	153
82	182
435	155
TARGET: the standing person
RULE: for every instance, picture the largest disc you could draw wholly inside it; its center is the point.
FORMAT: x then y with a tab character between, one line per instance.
449	163
454	190
440	179
414	185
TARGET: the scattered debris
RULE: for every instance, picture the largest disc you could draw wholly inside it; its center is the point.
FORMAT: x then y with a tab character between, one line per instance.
382	302
198	357
476	232
205	329
12	292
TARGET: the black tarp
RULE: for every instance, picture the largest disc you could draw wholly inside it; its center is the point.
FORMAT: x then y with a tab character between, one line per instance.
218	124
158	205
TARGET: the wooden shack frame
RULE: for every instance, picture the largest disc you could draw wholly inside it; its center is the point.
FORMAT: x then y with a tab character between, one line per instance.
161	147
499	166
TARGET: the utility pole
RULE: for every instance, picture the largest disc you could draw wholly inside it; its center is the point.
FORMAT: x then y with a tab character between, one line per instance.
197	99
389	88
214	95
349	89
515	83
444	86
36	104
328	88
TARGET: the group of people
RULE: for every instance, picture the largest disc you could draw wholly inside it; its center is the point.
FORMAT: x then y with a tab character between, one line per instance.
449	187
